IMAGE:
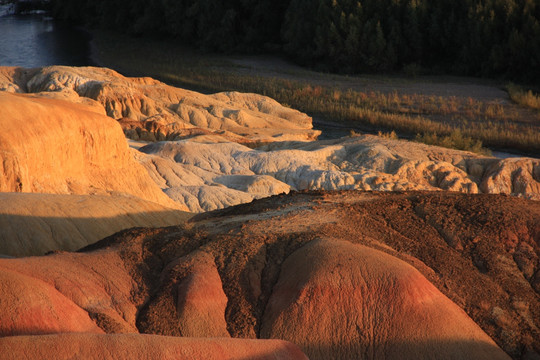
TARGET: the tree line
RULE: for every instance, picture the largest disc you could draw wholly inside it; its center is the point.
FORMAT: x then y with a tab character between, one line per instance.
493	38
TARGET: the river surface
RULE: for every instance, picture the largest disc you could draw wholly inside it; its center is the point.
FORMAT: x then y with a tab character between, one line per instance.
37	40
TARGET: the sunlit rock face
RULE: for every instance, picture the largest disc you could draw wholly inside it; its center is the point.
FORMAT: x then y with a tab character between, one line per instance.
55	146
342	274
150	110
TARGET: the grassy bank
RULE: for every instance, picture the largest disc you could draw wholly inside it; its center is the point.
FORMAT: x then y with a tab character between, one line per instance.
429	118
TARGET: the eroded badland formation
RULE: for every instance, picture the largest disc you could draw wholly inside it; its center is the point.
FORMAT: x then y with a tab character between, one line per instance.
419	253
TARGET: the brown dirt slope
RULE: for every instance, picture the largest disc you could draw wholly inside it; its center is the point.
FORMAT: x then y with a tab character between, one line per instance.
480	250
352	274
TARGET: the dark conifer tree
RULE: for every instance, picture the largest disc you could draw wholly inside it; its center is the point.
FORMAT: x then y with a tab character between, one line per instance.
473	37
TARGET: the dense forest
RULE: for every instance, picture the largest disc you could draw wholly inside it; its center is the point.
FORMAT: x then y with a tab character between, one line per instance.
494	38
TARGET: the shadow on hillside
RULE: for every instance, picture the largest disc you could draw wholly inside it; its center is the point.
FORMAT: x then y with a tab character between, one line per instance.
30	235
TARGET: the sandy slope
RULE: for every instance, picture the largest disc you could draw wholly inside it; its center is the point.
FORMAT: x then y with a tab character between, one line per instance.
34	224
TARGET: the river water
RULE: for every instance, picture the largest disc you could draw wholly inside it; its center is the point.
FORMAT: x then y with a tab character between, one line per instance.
34	40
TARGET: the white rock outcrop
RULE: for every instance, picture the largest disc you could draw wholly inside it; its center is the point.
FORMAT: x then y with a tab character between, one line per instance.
207	173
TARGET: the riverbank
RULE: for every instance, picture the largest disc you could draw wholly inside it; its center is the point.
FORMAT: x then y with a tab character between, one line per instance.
480	110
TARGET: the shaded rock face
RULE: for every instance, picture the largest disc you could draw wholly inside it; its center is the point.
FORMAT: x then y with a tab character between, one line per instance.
150	110
54	146
34	224
206	173
351	274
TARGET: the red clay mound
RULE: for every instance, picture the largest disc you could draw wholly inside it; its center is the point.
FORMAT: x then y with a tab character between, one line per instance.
98	284
200	301
140	347
30	306
342	274
340	300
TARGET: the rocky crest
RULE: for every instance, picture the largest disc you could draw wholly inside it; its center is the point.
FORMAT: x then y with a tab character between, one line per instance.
207	173
150	110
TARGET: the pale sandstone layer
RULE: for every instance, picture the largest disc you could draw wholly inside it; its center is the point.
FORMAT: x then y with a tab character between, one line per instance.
208	173
56	146
144	347
34	224
151	110
351	274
